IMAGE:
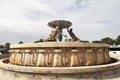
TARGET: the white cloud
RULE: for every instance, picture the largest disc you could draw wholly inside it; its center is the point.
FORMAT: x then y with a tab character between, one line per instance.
92	19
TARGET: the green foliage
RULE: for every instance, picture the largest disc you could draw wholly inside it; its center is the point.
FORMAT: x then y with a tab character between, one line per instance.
109	40
1	46
21	42
7	45
96	41
118	40
41	40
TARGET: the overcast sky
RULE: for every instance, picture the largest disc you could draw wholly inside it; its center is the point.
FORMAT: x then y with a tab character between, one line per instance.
26	20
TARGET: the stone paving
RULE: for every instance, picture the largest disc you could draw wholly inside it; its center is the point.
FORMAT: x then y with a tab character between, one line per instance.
115	55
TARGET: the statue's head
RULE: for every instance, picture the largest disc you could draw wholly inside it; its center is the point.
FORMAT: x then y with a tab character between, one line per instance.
71	30
53	26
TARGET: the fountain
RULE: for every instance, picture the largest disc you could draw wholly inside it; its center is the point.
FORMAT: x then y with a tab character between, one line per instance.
53	60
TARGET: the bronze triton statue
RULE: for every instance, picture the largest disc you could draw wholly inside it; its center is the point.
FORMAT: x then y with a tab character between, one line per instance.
72	35
56	32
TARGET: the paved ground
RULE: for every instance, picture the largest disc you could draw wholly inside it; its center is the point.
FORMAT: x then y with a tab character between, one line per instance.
115	55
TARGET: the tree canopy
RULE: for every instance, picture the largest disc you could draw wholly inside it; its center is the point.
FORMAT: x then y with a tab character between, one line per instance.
109	40
118	40
41	40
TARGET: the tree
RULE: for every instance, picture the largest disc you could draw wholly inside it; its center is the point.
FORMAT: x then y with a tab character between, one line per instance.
21	42
107	40
7	45
118	40
96	41
41	40
84	41
6	48
1	46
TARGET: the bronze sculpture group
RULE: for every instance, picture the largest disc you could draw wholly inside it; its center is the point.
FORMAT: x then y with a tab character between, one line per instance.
55	31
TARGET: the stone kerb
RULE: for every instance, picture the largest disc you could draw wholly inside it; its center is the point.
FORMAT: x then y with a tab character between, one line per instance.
4	64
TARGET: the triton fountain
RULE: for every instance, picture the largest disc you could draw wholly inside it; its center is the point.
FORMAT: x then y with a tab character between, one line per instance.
53	60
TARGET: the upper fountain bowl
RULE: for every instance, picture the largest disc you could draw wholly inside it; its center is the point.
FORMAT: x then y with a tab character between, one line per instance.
60	23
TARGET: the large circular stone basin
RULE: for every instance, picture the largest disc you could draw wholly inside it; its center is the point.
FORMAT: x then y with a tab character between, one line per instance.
59	54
